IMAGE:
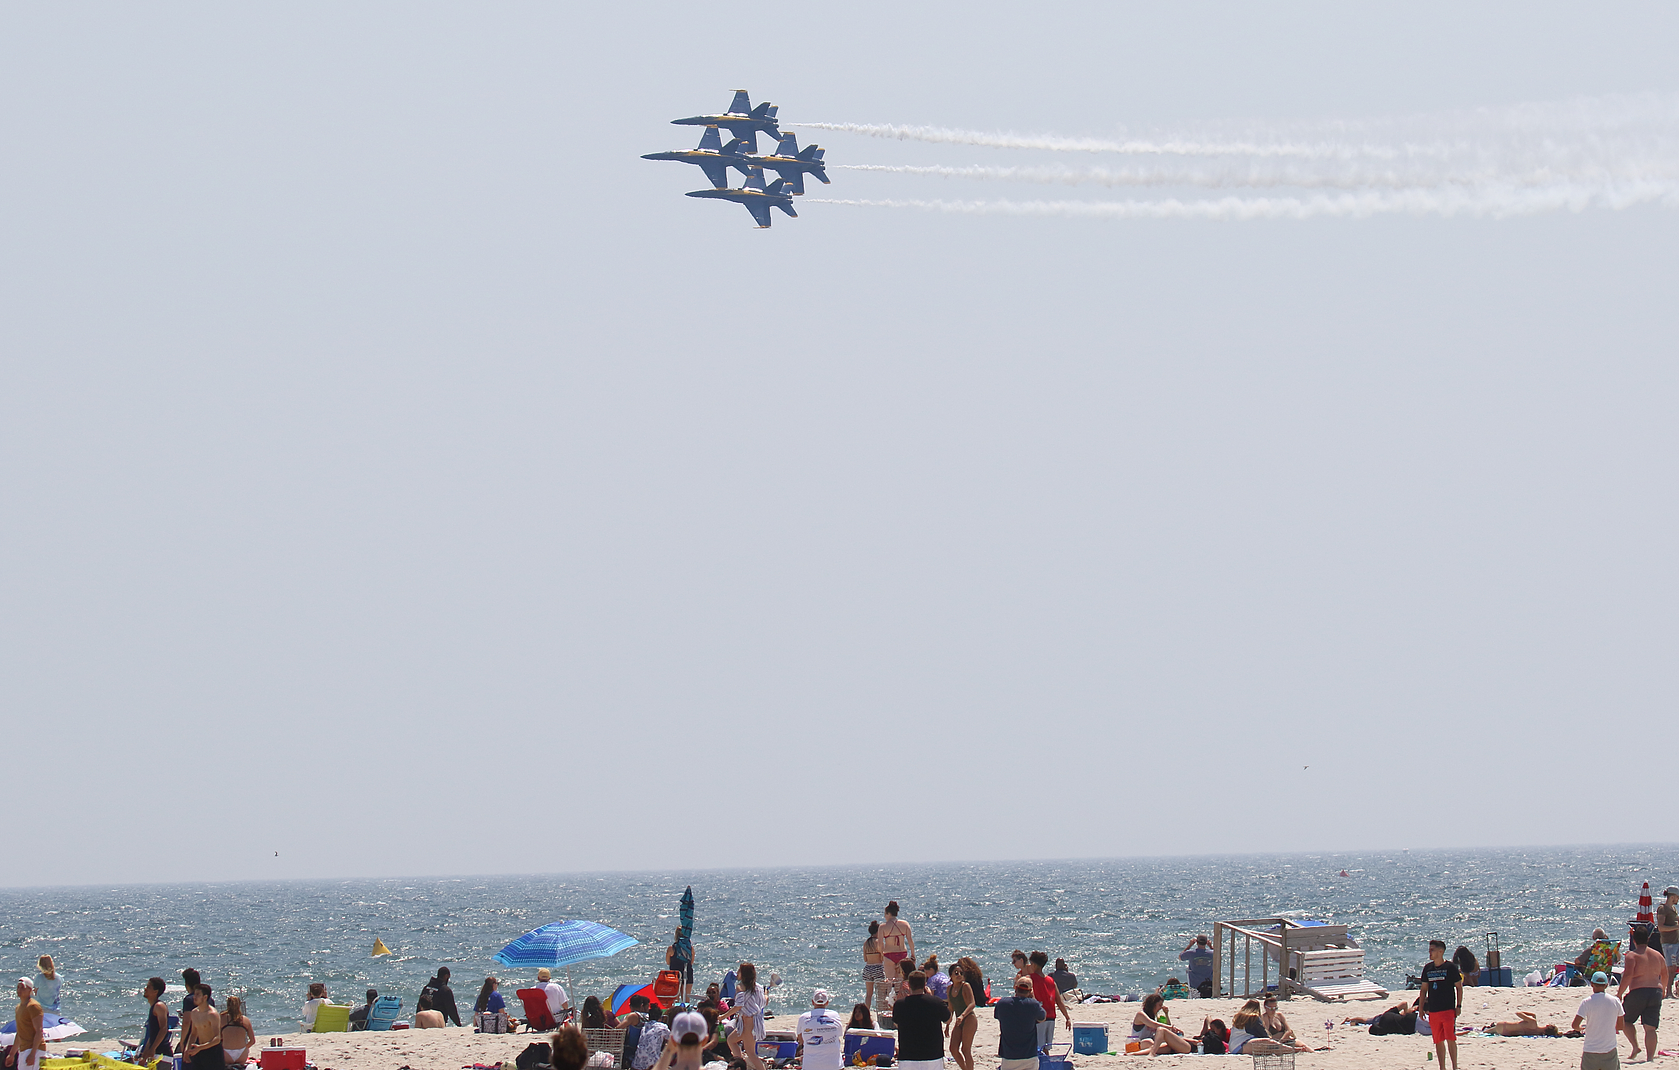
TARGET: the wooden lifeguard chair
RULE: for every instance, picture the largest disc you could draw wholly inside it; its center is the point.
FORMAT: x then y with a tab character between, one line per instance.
1321	961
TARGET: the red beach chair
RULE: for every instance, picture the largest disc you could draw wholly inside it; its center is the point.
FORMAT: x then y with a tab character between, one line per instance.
538	1018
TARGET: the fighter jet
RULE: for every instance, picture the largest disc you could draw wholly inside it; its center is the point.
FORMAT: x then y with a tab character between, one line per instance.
755	197
742	120
792	165
713	157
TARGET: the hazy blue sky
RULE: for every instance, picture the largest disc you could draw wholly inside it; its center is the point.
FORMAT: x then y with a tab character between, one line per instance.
398	474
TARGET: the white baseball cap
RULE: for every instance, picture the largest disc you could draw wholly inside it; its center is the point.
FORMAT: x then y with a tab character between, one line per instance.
819	998
689	1024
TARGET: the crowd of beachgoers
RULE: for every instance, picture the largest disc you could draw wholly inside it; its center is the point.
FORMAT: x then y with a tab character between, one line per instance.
927	1012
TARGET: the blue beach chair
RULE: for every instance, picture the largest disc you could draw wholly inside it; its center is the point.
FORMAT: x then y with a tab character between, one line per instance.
386	1009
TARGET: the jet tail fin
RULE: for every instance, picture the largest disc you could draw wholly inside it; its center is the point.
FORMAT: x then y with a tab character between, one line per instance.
766	110
736	147
788	145
778	186
711	140
755	178
796	183
811	152
742	104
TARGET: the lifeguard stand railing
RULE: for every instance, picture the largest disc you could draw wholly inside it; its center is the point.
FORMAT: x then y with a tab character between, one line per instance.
1248	932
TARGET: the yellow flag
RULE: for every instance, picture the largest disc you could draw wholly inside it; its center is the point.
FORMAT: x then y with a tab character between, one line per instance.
379	948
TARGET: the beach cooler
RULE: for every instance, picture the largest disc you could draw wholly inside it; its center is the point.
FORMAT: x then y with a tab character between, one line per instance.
281	1058
869	1047
777	1050
1090	1038
1055	1057
1496	977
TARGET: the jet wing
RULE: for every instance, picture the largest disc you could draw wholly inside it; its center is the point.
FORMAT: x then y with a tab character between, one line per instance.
760	212
717	171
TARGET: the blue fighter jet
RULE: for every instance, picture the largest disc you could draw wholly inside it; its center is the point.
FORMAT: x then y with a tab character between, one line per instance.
713	157
792	165
742	120
755	197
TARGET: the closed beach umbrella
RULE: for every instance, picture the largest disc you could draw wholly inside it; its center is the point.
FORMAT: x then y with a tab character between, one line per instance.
54	1026
685	931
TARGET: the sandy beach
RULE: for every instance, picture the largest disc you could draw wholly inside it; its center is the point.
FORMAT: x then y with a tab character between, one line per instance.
1351	1047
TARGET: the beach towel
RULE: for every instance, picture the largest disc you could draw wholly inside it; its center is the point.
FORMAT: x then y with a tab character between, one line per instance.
1602	955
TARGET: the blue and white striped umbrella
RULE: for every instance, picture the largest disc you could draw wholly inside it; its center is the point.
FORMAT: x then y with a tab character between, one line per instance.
564	943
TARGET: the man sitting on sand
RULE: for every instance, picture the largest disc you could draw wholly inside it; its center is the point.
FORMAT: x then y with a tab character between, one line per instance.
1201	964
1525	1025
425	1017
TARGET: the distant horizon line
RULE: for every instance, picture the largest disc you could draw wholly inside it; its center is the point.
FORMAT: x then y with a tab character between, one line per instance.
853	866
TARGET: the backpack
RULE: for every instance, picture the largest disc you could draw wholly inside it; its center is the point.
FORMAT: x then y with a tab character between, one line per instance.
533	1056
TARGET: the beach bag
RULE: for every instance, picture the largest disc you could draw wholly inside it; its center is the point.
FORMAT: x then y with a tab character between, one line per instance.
492	1021
533	1056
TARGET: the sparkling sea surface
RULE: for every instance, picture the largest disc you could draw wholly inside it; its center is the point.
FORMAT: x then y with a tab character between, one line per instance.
1118	922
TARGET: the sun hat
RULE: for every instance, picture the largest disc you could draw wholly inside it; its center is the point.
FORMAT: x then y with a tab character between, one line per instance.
543	974
1600	978
819	998
1671	890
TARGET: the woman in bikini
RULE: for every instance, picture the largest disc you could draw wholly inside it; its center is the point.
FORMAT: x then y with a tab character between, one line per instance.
896	943
1155	1035
873	972
237	1035
965	981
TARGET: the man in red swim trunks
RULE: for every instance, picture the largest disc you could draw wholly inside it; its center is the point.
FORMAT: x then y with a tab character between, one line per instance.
1442	998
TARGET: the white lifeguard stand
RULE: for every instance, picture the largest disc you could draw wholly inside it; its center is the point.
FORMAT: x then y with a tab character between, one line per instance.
1321	961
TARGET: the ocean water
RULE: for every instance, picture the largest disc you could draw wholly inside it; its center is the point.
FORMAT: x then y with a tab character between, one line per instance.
1118	922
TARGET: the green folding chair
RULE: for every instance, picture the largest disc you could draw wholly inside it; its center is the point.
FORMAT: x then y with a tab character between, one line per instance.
331	1018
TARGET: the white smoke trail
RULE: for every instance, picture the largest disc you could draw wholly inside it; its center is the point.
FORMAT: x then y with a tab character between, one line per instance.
1608	152
1497	204
1169	147
1240	177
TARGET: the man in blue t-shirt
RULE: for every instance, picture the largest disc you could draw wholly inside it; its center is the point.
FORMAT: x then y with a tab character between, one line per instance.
1198	953
1017	1021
